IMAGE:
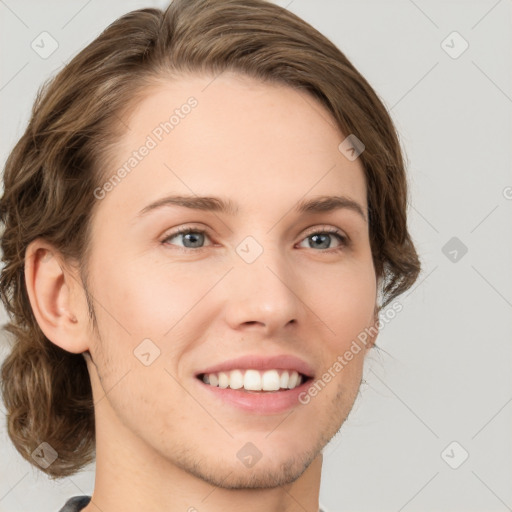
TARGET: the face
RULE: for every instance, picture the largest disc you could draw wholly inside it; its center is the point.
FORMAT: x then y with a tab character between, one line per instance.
281	287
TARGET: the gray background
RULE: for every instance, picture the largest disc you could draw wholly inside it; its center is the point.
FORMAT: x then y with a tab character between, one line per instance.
444	373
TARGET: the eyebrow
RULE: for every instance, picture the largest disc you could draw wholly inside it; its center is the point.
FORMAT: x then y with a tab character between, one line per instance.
318	204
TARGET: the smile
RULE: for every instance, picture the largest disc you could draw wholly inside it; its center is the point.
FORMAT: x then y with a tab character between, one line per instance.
254	380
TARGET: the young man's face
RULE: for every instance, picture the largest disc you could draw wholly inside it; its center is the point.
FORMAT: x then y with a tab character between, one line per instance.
258	283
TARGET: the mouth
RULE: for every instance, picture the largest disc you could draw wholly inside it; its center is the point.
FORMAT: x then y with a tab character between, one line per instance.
257	385
255	381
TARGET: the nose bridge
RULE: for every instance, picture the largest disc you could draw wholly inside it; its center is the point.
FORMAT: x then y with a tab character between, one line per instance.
261	287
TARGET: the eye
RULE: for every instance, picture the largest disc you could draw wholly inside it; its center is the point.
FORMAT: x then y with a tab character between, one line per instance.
321	239
192	237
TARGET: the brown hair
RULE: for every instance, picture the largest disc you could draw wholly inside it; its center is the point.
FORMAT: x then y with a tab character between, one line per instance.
50	176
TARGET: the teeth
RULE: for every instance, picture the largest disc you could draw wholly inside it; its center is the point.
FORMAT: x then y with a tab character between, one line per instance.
236	379
292	381
284	379
223	380
270	381
254	380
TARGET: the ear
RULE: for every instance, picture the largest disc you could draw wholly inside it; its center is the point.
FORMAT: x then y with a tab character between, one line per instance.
56	296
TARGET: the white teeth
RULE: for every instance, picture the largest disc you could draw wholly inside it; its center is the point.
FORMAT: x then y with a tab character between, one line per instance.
254	380
236	379
292	381
270	381
284	379
213	379
223	380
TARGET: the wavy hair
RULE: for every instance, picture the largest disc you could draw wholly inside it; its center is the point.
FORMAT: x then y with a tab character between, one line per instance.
50	175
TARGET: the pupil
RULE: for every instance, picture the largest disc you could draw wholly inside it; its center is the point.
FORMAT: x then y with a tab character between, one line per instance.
316	237
194	238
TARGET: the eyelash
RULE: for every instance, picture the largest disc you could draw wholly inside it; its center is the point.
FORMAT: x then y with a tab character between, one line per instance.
344	241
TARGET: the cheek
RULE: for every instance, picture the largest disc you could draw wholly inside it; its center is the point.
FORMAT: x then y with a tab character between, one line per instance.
151	299
346	303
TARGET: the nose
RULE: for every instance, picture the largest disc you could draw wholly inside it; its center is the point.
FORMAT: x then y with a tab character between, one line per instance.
263	295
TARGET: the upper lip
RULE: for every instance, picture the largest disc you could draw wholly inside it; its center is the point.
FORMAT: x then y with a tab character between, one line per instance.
256	362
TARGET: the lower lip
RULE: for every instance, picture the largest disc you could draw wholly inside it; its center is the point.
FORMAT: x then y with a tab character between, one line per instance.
259	402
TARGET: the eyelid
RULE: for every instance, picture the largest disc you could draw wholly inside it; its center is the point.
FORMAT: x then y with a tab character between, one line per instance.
325	229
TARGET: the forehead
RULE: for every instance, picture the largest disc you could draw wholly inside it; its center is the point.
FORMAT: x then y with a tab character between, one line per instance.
264	144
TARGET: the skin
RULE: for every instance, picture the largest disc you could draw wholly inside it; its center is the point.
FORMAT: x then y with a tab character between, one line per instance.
163	442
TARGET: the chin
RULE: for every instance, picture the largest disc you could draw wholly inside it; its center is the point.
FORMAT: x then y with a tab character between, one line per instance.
263	475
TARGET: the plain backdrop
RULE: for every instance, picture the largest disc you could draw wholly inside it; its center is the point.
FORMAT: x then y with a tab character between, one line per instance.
431	427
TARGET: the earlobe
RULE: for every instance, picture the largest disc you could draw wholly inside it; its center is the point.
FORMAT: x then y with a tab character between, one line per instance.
50	286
